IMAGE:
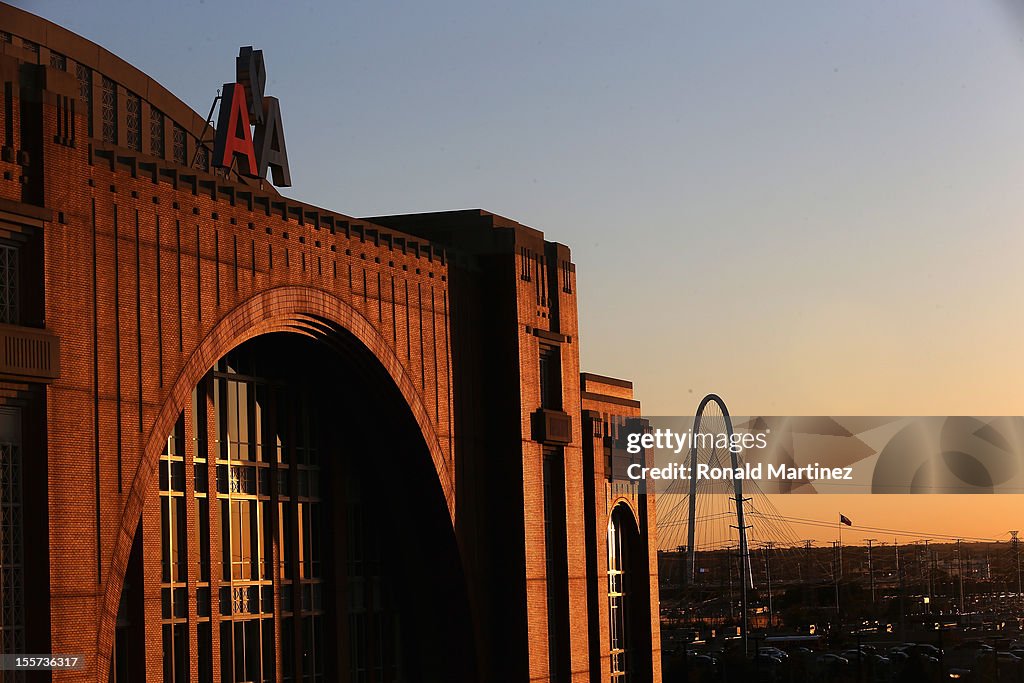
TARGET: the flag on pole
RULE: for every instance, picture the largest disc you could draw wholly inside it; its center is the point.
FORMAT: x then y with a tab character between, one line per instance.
845	520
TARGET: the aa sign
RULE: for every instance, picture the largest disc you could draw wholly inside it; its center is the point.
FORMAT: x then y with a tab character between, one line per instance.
243	106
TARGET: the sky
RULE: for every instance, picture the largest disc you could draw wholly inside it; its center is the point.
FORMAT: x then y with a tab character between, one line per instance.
808	208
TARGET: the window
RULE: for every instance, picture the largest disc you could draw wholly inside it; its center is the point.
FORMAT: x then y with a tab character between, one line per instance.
58	61
173	556
202	158
133	122
550	377
109	110
246	463
12	596
556	564
542	282
372	626
180	150
156	132
9	284
617	598
247	604
84	75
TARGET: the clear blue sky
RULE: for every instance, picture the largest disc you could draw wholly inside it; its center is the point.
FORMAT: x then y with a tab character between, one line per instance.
810	208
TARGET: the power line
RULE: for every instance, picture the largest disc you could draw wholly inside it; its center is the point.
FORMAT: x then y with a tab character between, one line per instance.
899	532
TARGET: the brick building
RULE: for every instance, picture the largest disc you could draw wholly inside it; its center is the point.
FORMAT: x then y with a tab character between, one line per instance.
243	438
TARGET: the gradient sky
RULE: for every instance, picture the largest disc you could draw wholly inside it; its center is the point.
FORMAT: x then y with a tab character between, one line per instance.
808	208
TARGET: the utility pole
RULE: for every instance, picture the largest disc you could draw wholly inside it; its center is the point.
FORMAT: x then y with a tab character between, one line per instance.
744	572
934	572
960	574
1016	552
768	576
926	567
806	564
903	591
732	599
871	570
835	572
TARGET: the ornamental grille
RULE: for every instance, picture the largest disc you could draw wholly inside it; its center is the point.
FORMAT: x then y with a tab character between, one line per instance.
8	284
156	132
109	103
133	125
84	75
12	596
180	151
202	158
58	61
30	46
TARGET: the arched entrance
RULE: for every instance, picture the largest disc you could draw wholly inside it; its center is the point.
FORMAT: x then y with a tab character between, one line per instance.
629	629
299	527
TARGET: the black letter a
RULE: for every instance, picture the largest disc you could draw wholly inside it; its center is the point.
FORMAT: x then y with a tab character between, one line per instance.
270	144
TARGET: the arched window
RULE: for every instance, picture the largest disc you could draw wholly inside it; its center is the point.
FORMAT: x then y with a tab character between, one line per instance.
618	594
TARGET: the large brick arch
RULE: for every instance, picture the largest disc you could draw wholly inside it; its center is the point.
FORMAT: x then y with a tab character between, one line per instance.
295	309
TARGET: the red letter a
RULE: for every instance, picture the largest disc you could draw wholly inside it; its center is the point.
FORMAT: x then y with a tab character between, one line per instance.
233	133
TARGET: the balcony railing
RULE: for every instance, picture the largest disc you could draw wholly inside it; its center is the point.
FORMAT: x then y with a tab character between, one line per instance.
29	353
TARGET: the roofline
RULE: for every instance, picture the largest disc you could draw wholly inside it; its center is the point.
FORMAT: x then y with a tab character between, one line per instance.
625	384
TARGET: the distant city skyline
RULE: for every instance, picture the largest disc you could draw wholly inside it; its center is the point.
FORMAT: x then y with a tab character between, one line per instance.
808	209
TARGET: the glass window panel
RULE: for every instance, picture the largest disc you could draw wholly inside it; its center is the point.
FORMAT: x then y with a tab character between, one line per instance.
286	513
302	513
179	538
243	420
267	599
226	653
203	601
232	414
218	415
223	479
165	539
201	477
314	540
180	597
204	652
225	601
239	651
199	420
225	538
168	641
177	475
265	540
287	647
259	427
268	649
253	547
252	650
286	597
